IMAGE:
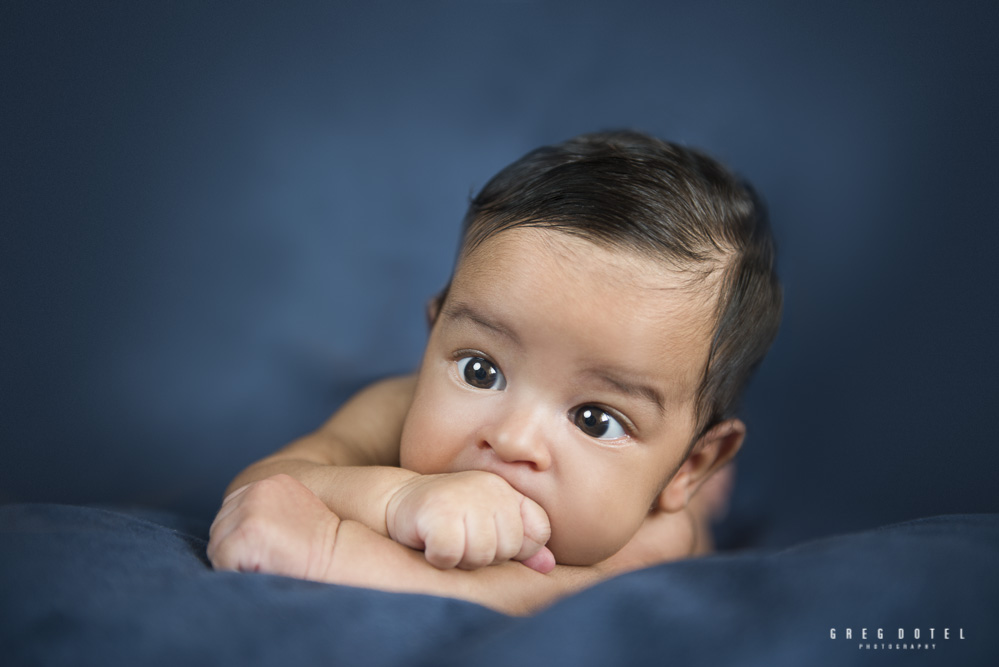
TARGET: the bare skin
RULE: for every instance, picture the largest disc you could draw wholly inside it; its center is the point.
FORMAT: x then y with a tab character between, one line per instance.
272	522
514	478
279	526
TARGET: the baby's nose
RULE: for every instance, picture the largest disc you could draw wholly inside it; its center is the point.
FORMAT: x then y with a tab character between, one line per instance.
520	438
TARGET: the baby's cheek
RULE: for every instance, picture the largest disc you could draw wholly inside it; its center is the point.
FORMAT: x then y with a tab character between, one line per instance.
409	453
414	457
431	434
586	538
423	449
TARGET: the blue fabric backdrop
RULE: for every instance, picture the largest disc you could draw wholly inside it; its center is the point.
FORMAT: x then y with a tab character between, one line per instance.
218	220
83	586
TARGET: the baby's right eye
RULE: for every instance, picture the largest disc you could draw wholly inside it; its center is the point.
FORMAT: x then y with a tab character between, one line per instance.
481	373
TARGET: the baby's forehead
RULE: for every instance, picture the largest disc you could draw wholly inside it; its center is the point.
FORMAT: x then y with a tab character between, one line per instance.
586	302
570	243
564	259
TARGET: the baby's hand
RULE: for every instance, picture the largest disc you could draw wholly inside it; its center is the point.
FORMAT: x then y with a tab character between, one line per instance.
275	525
469	520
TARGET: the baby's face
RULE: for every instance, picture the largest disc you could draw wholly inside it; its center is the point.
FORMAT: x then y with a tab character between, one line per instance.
570	370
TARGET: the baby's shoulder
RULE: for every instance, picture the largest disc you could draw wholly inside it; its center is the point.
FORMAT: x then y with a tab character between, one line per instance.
371	421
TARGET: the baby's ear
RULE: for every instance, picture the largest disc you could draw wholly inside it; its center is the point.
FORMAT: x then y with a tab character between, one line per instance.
712	451
434	306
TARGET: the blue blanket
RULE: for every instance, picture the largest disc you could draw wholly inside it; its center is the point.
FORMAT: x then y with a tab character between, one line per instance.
90	586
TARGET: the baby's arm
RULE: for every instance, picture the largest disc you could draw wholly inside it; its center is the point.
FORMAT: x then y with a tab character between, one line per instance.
279	526
363	558
466	519
351	463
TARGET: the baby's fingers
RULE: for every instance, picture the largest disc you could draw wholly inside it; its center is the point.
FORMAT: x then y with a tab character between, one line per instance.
509	536
537	529
229	505
444	544
481	542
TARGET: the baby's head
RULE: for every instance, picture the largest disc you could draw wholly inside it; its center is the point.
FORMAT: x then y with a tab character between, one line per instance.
611	298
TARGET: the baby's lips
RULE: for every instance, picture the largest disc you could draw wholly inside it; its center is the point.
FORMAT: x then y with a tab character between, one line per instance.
543	561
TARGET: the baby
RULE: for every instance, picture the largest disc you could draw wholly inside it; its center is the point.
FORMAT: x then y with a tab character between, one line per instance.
612	296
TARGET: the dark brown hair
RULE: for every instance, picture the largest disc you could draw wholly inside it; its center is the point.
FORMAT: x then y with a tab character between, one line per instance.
628	190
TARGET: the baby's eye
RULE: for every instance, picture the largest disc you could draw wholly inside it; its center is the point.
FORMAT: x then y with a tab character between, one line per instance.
481	373
596	423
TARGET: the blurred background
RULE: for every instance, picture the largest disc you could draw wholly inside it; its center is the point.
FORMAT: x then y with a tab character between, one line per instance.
221	219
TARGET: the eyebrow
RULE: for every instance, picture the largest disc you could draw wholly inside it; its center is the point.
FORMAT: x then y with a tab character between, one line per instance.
463	311
608	376
625	386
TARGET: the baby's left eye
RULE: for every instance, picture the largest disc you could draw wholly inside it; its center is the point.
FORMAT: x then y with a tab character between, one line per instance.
597	423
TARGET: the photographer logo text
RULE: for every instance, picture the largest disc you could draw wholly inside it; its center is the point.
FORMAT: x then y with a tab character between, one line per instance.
900	639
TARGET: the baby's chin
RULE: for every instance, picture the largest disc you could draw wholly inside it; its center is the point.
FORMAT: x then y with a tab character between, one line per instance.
577	551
